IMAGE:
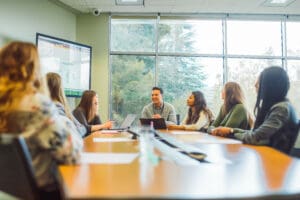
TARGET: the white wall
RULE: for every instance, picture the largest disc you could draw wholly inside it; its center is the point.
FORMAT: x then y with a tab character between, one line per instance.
21	19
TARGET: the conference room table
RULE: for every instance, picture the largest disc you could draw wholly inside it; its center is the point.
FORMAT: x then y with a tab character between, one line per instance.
115	166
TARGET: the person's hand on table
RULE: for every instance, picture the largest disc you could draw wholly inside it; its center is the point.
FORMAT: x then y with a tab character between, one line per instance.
156	116
108	124
175	127
171	126
222	131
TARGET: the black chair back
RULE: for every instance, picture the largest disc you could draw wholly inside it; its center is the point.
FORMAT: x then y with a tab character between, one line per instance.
295	151
16	172
178	119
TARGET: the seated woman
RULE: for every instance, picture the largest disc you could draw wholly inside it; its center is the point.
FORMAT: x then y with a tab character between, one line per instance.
25	110
233	112
198	116
58	97
276	122
87	112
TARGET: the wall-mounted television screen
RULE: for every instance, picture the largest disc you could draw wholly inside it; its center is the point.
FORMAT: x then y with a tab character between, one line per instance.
71	60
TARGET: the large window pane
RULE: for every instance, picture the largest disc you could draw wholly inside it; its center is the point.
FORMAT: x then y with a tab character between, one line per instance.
293	39
179	76
132	78
190	36
254	38
293	68
245	72
180	71
135	35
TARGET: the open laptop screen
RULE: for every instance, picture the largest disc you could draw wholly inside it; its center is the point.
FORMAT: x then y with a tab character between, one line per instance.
128	121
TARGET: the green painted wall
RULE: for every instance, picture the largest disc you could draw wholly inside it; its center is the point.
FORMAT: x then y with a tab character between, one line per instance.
94	31
21	19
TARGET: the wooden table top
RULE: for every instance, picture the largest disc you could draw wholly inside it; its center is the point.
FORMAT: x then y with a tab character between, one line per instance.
233	171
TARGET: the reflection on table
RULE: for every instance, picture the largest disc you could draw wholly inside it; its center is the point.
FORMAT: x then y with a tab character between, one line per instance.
230	170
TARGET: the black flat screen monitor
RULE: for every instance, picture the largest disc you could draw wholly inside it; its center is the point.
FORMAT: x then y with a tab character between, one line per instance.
71	60
158	123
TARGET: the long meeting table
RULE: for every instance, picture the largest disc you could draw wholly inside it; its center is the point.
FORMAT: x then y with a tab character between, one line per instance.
230	170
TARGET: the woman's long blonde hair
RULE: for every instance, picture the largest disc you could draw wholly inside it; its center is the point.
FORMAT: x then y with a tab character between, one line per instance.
19	73
56	91
19	76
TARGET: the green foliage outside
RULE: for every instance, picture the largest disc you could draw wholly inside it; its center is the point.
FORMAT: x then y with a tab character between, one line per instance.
133	76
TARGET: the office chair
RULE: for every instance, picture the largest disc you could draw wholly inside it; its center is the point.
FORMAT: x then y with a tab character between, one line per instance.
295	151
177	119
16	172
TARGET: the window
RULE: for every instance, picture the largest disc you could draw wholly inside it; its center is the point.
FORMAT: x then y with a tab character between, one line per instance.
179	76
183	54
254	38
245	72
132	78
133	35
293	39
190	36
293	67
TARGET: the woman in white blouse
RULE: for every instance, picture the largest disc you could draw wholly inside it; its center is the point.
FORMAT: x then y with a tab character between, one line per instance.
198	115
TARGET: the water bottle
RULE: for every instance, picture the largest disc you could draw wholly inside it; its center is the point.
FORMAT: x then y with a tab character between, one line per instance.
146	140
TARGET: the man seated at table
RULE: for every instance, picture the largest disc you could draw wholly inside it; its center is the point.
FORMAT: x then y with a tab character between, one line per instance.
158	108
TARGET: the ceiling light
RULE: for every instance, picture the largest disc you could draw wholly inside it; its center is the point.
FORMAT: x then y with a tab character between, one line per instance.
280	3
130	2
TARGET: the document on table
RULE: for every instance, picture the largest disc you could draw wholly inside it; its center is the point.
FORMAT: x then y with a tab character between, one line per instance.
203	138
116	139
107	158
210	140
109	131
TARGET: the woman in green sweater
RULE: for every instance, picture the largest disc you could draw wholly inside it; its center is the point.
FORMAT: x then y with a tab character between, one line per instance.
233	112
276	123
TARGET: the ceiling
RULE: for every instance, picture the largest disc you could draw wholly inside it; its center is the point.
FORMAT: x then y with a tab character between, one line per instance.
181	6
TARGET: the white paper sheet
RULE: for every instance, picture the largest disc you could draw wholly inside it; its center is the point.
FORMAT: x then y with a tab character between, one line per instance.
109	131
117	139
205	138
107	158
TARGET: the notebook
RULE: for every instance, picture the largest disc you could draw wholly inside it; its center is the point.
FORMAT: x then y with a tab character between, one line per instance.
127	122
158	123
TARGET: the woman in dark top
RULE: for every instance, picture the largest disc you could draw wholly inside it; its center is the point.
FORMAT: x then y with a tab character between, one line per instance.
87	112
276	122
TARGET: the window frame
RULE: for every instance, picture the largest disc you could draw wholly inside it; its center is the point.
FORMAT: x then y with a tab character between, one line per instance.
282	19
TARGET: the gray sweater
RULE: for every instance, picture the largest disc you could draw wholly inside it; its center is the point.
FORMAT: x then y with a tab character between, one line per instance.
278	129
167	111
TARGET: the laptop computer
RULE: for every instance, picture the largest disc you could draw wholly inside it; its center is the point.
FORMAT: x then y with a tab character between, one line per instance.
158	123
127	122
